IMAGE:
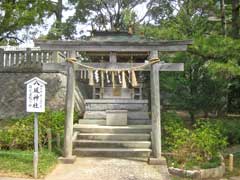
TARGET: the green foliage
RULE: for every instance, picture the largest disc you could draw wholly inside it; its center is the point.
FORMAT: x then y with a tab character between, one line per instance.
211	67
16	15
208	139
197	147
60	30
118	15
230	127
20	134
211	63
212	163
173	130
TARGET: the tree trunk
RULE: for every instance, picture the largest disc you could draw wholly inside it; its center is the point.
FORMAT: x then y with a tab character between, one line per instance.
235	18
192	117
205	114
223	18
59	11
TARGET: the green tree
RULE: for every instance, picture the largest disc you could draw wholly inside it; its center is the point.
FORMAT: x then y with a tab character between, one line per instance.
211	64
60	29
16	15
119	14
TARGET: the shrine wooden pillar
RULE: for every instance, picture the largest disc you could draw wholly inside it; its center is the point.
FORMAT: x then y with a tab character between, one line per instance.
69	110
156	112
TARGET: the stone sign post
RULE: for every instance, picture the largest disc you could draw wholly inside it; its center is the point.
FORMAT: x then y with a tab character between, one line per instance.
35	102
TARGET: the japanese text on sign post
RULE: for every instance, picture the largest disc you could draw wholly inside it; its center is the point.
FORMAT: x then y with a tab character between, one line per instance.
35	95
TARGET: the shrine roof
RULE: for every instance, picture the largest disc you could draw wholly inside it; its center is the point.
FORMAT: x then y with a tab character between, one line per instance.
114	41
113	36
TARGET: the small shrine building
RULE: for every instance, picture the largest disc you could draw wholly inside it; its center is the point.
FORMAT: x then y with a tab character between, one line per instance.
116	119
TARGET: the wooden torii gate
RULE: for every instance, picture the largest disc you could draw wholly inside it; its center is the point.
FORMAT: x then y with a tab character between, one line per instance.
151	47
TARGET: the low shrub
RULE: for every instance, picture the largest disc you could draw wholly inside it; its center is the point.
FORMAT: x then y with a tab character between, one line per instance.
198	147
230	127
20	134
173	131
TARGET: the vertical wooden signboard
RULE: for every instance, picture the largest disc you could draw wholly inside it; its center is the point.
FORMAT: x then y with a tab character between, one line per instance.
35	102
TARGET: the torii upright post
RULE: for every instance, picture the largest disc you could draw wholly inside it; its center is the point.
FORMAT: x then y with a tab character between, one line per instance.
156	113
69	109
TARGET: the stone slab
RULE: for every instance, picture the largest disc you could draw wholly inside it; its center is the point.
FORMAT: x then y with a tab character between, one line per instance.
115	106
139	122
102	115
85	128
111	144
157	161
112	152
115	101
115	136
116	117
67	160
92	121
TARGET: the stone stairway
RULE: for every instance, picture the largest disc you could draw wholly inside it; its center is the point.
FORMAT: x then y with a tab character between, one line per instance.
94	138
113	141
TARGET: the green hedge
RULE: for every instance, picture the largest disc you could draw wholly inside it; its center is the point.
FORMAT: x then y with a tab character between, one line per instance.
20	134
195	147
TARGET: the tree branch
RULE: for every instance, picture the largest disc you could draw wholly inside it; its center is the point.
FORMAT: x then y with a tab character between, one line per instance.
109	12
8	36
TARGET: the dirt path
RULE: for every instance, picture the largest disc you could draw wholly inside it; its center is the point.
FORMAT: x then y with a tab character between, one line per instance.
106	169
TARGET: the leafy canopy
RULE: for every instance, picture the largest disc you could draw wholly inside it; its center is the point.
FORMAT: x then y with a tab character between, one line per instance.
19	14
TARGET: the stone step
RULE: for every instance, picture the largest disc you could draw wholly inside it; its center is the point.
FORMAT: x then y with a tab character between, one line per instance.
95	115
103	122
129	107
112	129
102	115
139	122
116	104
114	136
92	121
111	144
112	152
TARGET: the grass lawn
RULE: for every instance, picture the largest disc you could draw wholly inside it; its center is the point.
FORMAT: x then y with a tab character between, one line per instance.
18	163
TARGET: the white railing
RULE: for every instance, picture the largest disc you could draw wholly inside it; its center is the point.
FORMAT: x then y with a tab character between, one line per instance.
17	58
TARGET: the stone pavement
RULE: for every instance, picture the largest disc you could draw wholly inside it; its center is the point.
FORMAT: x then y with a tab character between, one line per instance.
89	168
235	178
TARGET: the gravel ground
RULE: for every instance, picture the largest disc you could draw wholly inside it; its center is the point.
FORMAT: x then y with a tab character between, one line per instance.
12	178
107	169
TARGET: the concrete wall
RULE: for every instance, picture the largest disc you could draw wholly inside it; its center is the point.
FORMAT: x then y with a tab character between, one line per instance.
13	92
